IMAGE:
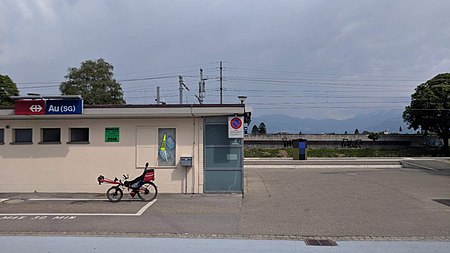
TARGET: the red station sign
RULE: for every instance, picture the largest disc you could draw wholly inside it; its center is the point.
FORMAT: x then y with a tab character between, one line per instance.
30	107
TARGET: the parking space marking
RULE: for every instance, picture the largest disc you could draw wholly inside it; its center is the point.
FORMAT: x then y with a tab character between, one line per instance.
144	208
139	213
67	199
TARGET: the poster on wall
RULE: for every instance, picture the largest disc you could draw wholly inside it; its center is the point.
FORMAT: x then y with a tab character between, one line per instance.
112	134
235	127
166	147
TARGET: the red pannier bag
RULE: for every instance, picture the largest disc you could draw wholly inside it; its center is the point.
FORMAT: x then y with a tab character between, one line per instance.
149	176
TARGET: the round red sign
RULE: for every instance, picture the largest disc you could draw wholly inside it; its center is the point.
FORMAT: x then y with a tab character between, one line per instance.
236	123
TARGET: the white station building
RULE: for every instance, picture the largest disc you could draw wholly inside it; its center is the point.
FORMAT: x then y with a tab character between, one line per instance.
58	145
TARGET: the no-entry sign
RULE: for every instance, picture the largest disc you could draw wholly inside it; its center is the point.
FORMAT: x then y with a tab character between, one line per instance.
235	127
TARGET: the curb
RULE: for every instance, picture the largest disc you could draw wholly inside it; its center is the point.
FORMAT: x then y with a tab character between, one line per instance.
296	166
228	236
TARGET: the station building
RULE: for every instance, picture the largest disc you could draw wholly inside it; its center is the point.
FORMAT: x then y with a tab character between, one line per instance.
59	145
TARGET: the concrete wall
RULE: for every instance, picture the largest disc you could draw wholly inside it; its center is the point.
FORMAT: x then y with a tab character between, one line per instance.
75	167
336	140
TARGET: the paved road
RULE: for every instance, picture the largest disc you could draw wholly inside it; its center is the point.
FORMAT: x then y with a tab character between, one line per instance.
284	203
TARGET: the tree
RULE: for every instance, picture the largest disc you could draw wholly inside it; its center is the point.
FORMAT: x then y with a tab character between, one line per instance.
94	82
400	129
7	89
356	131
430	107
262	128
255	130
373	137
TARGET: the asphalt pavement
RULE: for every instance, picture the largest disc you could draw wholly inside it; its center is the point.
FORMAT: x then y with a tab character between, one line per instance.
342	203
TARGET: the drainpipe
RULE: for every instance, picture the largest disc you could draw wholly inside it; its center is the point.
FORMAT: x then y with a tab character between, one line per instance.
193	149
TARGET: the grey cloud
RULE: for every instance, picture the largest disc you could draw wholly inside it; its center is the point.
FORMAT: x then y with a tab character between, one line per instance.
349	39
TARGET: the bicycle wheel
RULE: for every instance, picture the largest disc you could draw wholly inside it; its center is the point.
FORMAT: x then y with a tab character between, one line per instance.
114	194
148	191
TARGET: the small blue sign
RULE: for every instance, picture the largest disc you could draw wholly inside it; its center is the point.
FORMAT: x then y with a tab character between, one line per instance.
65	106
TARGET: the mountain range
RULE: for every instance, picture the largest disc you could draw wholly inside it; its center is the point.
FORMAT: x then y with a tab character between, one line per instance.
390	121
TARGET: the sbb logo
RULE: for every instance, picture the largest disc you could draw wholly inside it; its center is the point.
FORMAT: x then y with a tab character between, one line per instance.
35	108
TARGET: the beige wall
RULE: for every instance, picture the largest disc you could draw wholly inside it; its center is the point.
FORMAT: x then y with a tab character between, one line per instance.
75	167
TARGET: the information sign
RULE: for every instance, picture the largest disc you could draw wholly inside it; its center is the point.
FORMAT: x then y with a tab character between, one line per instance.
30	107
112	134
64	106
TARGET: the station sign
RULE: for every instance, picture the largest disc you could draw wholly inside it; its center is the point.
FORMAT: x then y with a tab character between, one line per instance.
30	107
43	106
235	127
66	106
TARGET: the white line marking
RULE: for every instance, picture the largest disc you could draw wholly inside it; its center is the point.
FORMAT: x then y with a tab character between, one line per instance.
62	199
139	213
421	166
1	200
143	209
68	214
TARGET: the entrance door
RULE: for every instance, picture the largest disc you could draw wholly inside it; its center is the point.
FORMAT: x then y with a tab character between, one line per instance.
223	158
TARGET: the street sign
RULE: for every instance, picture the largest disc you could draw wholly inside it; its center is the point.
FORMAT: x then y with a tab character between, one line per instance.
30	107
65	106
235	127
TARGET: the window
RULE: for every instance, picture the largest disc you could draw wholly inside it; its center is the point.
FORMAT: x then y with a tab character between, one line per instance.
79	135
51	135
2	136
23	136
166	146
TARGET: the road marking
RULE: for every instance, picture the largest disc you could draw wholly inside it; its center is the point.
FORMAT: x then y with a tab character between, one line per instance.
67	199
139	213
67	214
143	209
420	166
1	200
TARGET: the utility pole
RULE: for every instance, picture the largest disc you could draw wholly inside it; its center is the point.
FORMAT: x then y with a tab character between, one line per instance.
180	80
201	88
221	83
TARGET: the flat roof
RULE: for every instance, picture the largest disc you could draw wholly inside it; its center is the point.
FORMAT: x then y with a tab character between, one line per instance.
138	111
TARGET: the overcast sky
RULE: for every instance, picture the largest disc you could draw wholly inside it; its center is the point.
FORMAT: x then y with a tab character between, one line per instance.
305	58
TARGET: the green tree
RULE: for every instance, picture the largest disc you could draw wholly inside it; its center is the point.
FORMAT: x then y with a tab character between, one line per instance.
356	131
255	130
7	89
94	82
262	128
430	107
373	137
